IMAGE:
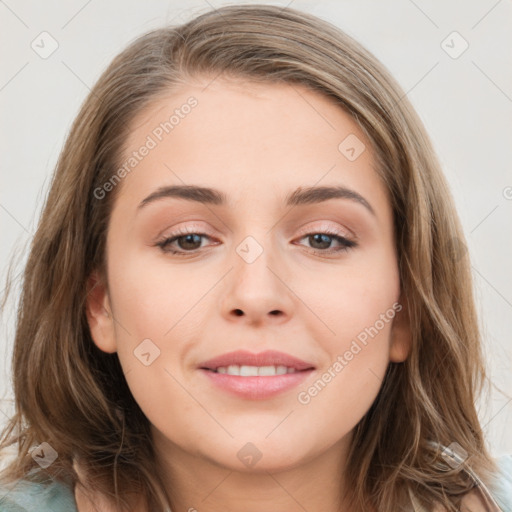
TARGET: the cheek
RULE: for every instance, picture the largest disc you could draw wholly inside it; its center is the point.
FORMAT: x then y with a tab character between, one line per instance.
150	338
359	313
150	299
352	298
160	312
357	308
356	363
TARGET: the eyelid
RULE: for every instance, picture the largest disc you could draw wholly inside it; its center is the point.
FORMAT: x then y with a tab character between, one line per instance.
331	228
307	229
312	226
186	228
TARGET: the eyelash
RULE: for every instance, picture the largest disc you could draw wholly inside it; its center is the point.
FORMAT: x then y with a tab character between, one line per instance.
346	243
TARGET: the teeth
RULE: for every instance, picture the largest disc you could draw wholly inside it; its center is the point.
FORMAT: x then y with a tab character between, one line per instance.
244	371
254	371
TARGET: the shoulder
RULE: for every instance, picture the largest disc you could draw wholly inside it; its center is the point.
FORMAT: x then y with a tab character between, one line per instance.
498	488
501	486
37	492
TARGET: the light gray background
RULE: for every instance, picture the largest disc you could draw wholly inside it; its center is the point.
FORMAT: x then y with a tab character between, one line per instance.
465	103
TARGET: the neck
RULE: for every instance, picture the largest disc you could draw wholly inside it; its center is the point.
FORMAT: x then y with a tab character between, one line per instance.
196	483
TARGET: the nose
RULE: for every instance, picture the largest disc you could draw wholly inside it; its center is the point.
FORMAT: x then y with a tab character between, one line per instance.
259	290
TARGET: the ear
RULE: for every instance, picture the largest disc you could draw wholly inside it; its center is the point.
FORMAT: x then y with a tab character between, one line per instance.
99	314
401	335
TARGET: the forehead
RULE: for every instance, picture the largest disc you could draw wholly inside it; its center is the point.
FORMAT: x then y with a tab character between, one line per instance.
250	140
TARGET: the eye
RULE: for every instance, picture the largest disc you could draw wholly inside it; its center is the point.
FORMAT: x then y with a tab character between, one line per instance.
321	241
189	242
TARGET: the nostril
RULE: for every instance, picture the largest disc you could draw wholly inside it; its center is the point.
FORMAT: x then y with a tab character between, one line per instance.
238	312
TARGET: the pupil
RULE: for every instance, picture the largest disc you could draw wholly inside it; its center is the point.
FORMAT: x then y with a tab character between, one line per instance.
189	239
320	237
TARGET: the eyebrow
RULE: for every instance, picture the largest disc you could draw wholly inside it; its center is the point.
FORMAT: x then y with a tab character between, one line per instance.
300	196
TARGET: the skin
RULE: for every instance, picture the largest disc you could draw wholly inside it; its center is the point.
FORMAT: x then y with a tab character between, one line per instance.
256	143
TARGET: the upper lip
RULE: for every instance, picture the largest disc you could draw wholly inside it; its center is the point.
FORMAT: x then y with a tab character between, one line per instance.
245	358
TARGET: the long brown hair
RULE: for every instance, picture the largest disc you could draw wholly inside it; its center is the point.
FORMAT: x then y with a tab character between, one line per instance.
63	383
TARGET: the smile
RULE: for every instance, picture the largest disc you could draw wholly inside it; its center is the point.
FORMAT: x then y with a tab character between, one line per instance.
254	371
274	380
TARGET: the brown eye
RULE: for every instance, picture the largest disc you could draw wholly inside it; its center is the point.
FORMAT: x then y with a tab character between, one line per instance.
322	241
184	243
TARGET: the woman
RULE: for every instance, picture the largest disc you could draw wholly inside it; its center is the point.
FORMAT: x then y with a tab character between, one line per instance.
319	351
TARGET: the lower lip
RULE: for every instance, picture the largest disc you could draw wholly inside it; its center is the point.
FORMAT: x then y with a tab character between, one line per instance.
256	388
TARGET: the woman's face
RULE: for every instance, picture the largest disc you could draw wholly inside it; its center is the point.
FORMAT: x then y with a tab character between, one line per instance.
261	268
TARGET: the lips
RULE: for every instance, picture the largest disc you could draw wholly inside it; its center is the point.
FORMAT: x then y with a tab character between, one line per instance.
245	358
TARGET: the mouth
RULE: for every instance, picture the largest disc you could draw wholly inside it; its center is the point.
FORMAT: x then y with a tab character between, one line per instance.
251	387
256	376
249	364
254	371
